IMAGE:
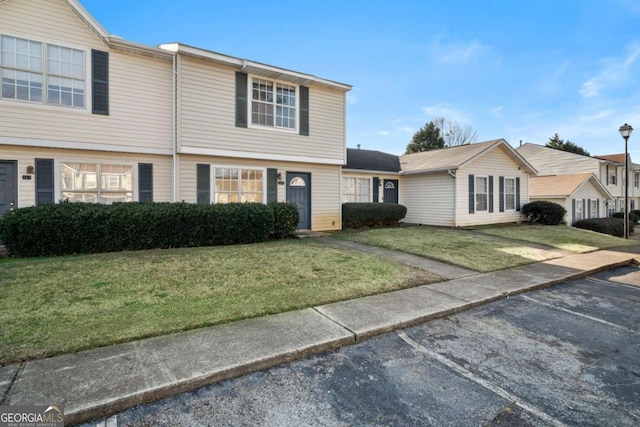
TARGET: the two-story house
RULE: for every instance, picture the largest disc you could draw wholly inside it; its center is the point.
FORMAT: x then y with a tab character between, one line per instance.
87	116
607	194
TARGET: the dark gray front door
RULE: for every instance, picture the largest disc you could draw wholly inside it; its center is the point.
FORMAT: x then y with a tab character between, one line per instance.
299	193
8	186
391	191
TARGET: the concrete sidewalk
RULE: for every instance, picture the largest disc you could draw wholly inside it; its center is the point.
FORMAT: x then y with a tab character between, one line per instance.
100	382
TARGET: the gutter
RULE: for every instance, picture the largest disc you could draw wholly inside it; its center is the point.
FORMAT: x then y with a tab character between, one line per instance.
174	136
452	174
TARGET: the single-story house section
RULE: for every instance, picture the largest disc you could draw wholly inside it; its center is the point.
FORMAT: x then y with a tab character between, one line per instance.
474	184
582	195
370	176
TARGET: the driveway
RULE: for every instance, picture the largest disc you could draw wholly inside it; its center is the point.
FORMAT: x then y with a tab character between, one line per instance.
566	355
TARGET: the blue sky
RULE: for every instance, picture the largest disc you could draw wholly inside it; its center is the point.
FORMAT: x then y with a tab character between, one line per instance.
519	70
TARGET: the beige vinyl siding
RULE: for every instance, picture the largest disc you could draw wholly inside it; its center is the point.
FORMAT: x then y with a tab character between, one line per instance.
556	162
495	163
140	90
162	176
207	119
428	198
326	208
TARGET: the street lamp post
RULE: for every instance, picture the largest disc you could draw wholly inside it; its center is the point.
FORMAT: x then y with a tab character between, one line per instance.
625	130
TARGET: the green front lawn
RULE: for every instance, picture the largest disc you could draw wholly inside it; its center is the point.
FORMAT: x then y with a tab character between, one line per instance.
459	247
57	305
558	236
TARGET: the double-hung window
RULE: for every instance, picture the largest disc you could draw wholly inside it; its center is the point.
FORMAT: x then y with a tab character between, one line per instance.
356	190
510	194
273	104
97	183
43	73
238	185
579	215
482	194
594	208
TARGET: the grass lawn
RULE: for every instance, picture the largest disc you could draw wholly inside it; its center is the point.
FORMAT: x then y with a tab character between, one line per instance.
460	247
58	305
558	236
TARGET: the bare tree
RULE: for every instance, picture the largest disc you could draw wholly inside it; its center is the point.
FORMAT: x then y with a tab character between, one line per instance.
455	133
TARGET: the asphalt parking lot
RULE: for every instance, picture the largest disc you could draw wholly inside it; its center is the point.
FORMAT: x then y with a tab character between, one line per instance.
566	355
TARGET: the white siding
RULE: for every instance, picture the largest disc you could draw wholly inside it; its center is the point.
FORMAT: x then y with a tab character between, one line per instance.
207	118
140	90
429	199
326	208
495	163
162	188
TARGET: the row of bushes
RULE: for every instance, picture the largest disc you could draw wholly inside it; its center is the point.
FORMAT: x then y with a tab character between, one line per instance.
73	228
357	215
633	215
613	226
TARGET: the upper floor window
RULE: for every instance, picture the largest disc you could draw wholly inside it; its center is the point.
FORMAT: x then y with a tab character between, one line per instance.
38	72
636	180
613	176
273	104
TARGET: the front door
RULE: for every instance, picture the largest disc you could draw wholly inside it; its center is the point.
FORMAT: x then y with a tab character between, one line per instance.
299	193
8	186
391	191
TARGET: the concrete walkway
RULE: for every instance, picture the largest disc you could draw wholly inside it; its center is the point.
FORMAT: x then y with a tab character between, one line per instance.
100	382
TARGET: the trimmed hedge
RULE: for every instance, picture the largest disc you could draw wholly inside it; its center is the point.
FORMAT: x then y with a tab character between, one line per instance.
612	226
74	228
546	213
633	216
357	215
285	219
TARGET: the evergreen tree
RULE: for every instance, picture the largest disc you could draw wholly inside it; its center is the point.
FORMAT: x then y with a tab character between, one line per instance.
425	139
557	143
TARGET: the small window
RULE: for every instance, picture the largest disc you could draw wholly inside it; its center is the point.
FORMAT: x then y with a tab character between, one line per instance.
297	182
389	185
510	194
482	194
594	209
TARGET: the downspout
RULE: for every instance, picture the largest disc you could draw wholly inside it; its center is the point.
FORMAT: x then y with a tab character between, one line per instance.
174	137
452	173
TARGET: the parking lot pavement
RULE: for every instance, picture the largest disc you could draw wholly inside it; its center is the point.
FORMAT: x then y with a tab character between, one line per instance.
566	355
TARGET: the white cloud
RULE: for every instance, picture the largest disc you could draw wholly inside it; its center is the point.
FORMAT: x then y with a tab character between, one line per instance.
457	53
384	133
497	112
614	70
440	110
407	129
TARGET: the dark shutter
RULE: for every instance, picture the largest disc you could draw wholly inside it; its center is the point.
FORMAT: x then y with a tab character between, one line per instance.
598	205
272	185
376	189
573	208
304	110
490	193
100	82
241	100
204	184
501	186
145	182
518	194
472	198
44	181
588	208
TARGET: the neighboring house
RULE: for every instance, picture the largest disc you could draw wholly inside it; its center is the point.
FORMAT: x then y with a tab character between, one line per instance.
88	116
370	176
608	169
483	183
582	195
84	116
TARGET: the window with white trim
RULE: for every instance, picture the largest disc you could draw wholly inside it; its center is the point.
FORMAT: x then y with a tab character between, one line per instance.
613	175
96	183
636	180
594	209
356	190
579	216
510	194
482	194
273	104
238	185
43	73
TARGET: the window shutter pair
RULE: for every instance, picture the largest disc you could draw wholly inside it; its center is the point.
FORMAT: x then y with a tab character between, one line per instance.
242	104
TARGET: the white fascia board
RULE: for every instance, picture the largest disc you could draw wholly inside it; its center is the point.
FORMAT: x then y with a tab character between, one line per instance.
118	43
252	67
86	16
89	146
258	156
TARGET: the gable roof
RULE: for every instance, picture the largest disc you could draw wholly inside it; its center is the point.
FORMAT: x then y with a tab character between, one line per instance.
563	186
372	160
456	157
616	158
